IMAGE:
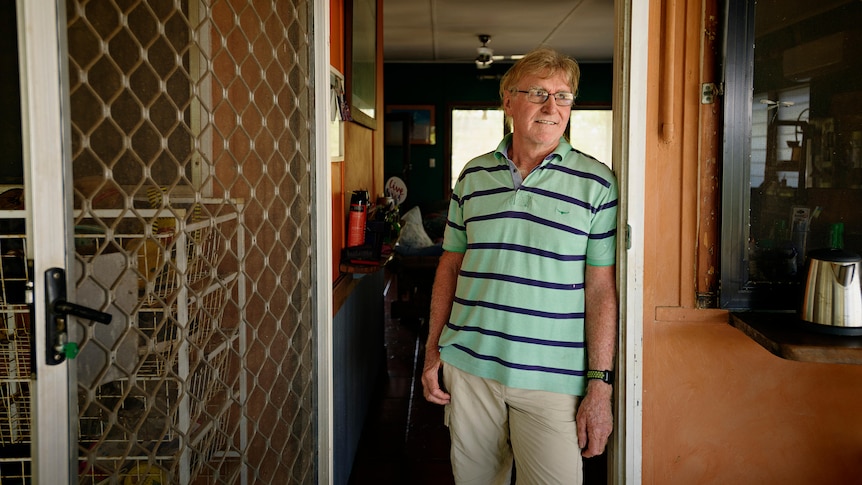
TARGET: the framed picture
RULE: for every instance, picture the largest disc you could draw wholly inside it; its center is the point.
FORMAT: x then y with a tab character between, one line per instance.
361	60
421	120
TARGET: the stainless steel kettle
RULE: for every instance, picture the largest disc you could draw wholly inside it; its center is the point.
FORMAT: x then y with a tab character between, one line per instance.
833	295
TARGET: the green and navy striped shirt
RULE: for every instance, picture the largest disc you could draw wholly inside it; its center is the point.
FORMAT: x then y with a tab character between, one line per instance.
518	312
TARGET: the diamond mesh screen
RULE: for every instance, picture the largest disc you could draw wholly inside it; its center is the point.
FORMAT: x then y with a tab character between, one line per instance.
191	142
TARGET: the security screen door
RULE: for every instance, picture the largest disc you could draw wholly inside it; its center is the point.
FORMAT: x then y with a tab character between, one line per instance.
34	386
165	175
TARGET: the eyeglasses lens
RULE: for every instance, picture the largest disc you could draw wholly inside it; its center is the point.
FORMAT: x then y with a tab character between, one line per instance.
539	96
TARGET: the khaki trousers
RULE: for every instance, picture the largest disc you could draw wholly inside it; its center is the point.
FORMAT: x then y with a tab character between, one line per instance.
491	424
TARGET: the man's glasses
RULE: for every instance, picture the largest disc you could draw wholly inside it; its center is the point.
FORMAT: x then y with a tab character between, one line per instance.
539	96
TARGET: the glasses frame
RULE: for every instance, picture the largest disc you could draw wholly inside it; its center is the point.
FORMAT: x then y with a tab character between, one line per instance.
534	96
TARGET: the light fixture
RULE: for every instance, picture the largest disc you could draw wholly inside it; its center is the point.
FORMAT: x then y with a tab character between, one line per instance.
485	56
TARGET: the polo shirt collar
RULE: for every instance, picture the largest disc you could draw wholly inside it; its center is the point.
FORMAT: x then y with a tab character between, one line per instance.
502	151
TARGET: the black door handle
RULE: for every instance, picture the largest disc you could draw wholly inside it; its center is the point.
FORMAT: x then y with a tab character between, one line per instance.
57	308
66	308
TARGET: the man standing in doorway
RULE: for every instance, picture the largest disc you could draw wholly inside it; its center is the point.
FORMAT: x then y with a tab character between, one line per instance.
524	306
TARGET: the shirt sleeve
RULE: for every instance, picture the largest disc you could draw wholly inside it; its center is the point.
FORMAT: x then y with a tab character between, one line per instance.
601	248
455	234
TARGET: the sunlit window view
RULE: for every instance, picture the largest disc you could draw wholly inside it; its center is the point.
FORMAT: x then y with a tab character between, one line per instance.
477	131
787	115
591	131
474	132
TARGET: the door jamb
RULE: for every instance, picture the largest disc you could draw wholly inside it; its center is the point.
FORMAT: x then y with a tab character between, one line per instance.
630	55
323	245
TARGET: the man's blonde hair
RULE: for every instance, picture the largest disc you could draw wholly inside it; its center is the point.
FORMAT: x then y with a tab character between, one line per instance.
543	62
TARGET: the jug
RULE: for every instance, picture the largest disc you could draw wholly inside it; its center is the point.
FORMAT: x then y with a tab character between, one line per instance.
832	291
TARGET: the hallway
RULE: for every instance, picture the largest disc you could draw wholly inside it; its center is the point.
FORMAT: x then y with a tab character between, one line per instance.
403	439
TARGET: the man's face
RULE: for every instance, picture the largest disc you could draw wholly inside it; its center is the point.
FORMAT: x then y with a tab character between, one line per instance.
538	125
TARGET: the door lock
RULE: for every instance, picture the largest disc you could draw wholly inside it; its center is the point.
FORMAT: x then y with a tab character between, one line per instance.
58	347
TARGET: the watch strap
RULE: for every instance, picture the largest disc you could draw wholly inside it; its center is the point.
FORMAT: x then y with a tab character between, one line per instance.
602	375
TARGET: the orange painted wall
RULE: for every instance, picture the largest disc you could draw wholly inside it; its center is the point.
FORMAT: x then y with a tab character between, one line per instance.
336	59
362	167
717	407
336	34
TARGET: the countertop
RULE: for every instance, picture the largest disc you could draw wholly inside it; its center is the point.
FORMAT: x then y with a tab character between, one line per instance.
789	337
365	267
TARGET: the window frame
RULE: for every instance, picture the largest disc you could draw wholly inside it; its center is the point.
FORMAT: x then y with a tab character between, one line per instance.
737	292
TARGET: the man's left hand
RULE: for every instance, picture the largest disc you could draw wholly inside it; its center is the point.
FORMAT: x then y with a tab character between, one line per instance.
594	419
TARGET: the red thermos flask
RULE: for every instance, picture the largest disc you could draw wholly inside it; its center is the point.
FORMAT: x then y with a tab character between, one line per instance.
356	219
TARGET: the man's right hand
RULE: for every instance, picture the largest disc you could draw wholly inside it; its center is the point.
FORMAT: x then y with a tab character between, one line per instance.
442	295
430	382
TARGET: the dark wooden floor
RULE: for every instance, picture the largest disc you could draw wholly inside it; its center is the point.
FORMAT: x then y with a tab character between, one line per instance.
404	440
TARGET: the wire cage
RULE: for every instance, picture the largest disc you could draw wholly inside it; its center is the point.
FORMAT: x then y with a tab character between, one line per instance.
14	377
15	358
164	413
165	416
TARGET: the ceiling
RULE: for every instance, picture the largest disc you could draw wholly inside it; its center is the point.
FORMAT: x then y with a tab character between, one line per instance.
448	30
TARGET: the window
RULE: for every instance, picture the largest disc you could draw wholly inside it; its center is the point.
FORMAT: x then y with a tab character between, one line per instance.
792	172
474	132
591	131
477	131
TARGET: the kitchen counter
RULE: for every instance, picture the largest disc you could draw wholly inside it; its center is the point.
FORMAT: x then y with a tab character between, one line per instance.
789	337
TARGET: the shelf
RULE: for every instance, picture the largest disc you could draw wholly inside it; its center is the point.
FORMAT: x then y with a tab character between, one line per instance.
369	267
366	268
786	335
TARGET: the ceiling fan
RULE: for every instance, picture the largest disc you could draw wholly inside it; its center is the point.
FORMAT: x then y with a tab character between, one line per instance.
485	55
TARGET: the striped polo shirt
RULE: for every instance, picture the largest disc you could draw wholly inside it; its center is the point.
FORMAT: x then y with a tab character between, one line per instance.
518	312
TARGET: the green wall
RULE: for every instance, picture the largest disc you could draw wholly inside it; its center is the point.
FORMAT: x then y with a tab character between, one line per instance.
451	85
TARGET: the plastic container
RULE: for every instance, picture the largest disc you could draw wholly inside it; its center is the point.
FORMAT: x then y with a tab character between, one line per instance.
356	218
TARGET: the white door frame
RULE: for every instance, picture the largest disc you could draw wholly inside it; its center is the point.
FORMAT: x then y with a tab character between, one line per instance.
45	132
323	244
630	89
